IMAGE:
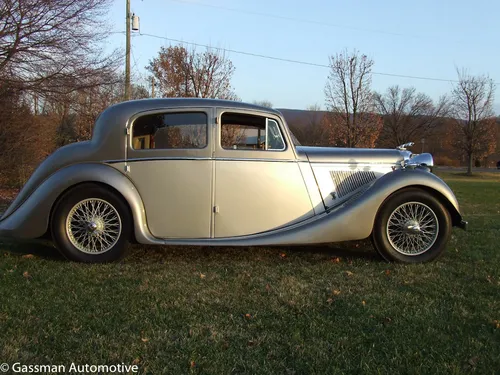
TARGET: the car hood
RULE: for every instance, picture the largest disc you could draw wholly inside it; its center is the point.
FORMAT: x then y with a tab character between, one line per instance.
350	155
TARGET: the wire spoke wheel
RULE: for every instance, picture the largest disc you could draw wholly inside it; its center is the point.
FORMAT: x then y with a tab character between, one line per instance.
412	228
93	226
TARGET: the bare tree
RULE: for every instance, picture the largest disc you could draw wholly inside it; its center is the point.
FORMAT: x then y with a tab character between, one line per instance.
408	114
52	46
349	99
183	73
472	108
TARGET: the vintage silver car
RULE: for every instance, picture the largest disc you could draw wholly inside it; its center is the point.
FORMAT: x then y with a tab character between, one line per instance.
221	173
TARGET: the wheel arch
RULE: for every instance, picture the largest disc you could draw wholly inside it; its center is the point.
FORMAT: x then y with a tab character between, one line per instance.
455	215
104	185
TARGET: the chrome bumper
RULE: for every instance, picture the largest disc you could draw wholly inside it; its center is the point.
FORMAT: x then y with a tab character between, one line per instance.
463	224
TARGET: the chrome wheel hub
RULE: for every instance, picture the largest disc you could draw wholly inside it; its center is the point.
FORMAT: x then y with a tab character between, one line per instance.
412	228
93	226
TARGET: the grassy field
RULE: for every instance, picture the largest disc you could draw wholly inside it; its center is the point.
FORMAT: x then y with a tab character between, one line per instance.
336	309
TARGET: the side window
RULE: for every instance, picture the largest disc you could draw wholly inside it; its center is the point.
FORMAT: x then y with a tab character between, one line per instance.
249	132
274	138
170	130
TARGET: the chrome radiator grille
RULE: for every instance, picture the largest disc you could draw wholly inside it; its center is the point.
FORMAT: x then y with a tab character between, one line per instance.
348	181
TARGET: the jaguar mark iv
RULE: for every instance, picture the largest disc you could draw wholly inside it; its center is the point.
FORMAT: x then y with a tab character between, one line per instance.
221	173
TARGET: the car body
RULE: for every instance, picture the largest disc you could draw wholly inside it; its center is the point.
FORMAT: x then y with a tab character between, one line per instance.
216	173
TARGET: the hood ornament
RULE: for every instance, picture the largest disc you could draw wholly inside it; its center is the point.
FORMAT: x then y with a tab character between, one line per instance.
403	147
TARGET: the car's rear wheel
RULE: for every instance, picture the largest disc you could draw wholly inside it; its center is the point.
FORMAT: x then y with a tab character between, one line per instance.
412	226
91	224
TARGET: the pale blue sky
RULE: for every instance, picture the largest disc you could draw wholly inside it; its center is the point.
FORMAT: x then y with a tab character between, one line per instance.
419	38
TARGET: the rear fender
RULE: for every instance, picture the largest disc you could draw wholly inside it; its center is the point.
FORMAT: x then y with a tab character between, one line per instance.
31	218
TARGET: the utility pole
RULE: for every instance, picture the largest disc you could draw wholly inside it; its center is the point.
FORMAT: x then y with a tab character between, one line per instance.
127	55
152	87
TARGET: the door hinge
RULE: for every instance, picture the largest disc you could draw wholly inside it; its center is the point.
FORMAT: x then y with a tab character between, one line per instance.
216	209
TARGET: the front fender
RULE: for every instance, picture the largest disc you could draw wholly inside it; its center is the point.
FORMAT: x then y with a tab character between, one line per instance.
31	218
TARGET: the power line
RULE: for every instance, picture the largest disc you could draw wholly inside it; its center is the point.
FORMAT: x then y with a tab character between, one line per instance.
309	21
290	60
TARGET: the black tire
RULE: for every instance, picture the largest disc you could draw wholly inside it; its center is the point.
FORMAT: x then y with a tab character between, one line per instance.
65	239
388	246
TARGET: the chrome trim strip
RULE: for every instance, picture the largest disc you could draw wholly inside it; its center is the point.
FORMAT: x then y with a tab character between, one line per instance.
200	158
154	159
256	159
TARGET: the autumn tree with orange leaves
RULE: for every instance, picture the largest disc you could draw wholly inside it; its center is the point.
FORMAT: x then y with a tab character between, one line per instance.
352	121
186	73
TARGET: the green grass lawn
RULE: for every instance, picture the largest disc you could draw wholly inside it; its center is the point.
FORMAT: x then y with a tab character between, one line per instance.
336	309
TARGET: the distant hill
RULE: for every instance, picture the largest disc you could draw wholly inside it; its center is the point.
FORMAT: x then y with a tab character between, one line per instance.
299	116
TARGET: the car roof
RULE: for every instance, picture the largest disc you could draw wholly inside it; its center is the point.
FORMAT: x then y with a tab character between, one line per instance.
145	104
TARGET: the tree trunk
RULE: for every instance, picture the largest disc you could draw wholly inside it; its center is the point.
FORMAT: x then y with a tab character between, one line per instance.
469	164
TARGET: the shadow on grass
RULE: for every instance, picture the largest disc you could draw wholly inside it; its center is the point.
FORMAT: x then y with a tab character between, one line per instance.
41	248
309	253
44	249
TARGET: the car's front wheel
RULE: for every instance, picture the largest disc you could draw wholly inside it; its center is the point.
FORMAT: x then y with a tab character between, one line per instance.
412	226
91	224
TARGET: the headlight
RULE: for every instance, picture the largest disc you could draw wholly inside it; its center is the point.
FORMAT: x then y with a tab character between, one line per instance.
424	161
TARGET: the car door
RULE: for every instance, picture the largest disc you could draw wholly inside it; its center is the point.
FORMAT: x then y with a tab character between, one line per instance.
169	160
258	183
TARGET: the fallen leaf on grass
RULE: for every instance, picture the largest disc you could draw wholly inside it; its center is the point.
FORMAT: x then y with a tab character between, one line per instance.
329	300
144	339
473	361
387	272
496	323
28	256
26	275
248	316
268	287
349	273
336	260
192	364
202	275
282	255
336	292
136	361
363	302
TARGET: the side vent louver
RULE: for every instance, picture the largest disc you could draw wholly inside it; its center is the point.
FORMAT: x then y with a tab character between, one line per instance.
348	181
